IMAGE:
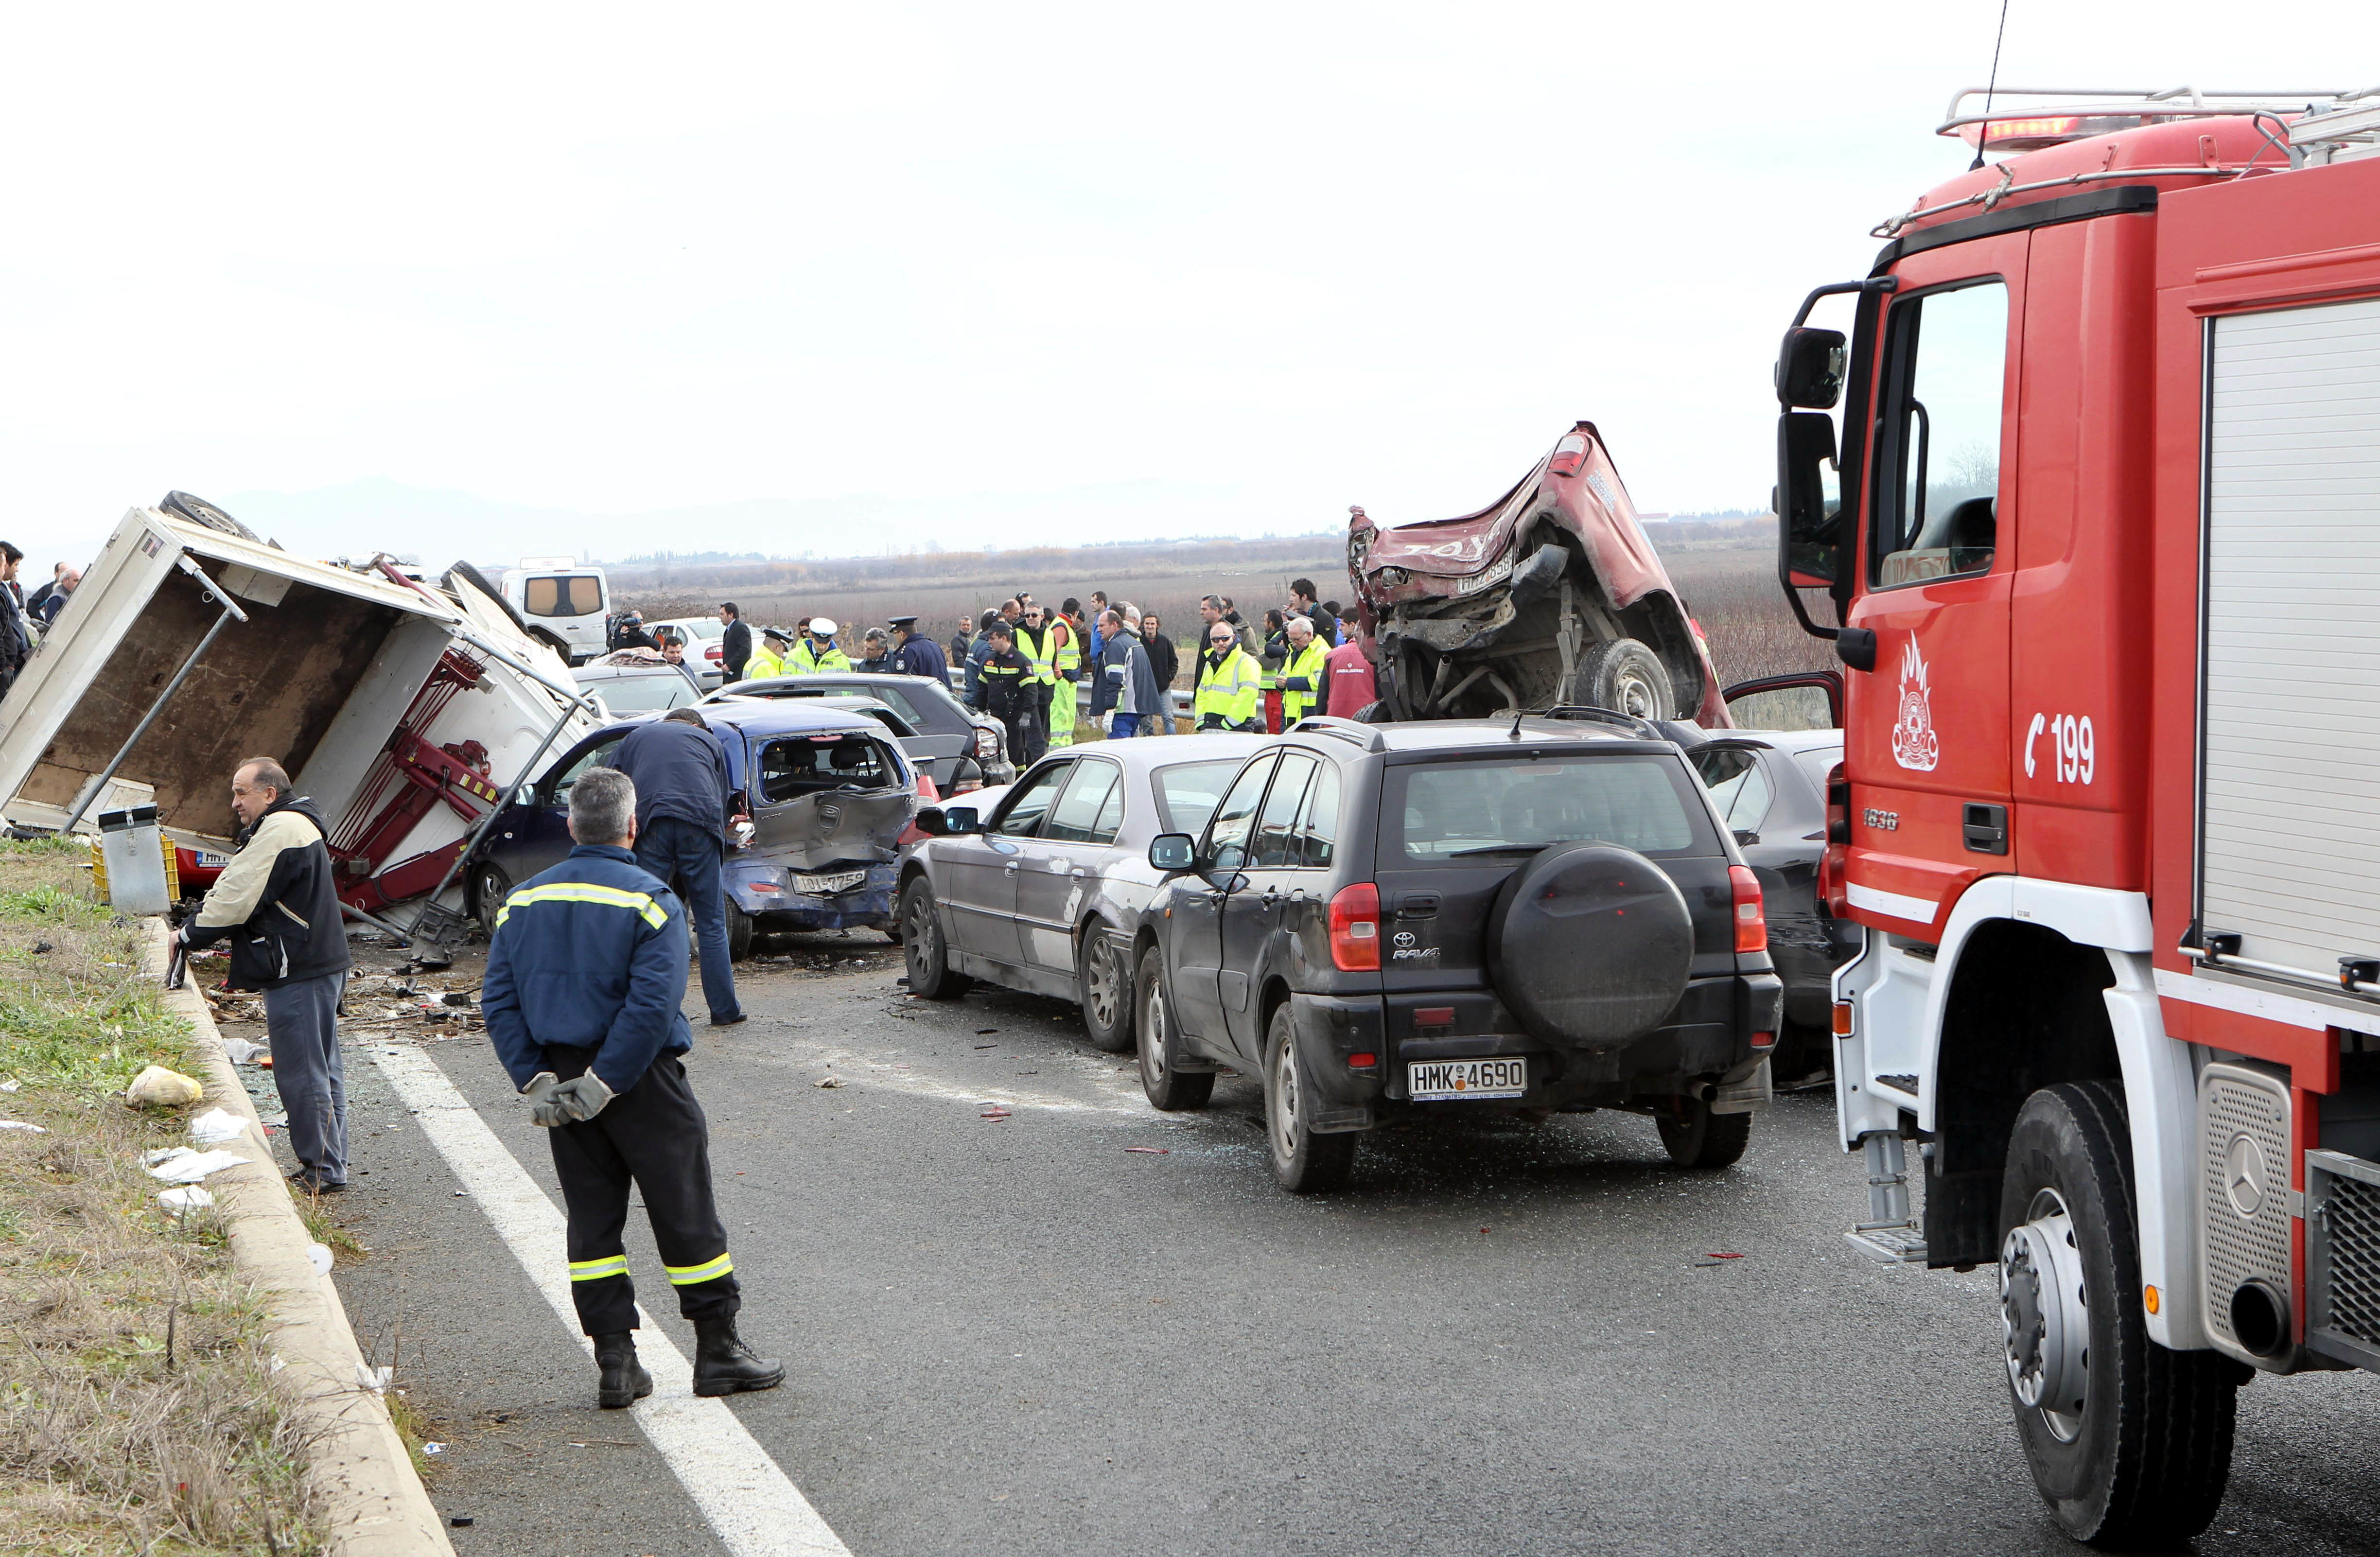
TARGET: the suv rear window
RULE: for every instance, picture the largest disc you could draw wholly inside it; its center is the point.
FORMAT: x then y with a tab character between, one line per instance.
1439	811
807	764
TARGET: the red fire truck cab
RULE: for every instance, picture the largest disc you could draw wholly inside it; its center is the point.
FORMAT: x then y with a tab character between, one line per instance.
2100	523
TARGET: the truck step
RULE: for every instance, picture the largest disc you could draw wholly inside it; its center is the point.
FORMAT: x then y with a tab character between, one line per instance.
1901	1244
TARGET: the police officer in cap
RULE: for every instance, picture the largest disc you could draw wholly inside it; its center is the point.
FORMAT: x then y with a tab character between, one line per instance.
916	653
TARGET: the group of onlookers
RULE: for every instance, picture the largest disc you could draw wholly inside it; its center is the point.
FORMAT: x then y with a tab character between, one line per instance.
24	618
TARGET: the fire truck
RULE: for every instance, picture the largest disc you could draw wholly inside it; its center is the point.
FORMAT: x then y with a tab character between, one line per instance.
2092	484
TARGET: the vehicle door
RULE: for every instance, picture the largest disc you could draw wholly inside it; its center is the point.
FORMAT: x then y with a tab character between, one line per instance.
1929	731
534	835
1195	924
1061	861
1254	910
976	874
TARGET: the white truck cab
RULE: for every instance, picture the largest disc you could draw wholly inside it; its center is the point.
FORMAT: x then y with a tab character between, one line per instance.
560	597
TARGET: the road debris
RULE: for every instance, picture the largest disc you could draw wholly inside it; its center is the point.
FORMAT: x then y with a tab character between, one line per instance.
994	1111
215	1126
320	1255
20	1125
179	1164
831	1081
185	1199
160	1088
1168	1151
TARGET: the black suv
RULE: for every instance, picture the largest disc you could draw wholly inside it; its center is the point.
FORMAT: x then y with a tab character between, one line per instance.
1509	915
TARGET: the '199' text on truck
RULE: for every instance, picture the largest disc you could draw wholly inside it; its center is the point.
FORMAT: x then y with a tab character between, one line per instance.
2101	528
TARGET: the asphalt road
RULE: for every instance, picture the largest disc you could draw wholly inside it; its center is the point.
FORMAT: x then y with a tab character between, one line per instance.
1019	1335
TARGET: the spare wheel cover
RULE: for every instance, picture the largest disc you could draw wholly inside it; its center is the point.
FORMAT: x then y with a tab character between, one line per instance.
1590	943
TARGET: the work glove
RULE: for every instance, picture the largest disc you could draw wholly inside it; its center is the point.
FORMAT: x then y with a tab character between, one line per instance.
540	1093
581	1097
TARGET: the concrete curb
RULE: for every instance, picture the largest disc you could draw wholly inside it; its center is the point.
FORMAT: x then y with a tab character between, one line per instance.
377	1506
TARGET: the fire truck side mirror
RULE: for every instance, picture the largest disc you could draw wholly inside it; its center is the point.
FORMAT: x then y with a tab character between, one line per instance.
1807	497
1810	369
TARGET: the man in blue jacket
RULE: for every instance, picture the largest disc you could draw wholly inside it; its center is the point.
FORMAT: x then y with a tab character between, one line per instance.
585	973
680	772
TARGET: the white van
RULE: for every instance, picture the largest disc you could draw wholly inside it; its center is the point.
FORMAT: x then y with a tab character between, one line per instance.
564	600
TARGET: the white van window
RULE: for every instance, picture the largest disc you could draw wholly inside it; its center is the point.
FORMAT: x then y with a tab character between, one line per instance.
574	595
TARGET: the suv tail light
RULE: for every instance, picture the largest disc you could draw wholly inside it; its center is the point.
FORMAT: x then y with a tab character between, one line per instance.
1831	861
926	790
1355	929
1751	919
1570	455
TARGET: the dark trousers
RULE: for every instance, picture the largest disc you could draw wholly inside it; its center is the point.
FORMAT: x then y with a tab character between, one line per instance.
301	1027
654	1135
687	860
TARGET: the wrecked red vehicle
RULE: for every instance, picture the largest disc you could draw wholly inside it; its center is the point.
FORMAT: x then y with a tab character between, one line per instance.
1550	595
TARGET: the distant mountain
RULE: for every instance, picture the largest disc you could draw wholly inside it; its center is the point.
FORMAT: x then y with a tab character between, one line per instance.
438	526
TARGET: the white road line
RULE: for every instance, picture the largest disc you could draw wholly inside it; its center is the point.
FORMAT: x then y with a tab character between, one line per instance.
751	1506
871	1071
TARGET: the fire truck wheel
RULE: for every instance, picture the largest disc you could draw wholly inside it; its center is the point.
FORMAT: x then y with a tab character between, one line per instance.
739	932
1695	1137
489	887
2130	1443
1624	675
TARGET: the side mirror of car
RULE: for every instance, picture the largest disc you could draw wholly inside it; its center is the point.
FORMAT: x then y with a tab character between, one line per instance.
1171	852
524	796
946	822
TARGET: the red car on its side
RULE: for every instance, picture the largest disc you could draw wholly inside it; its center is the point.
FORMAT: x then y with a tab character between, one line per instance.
1550	595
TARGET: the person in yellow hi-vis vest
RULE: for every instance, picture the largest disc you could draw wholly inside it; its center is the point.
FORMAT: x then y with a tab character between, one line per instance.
1302	687
769	658
1065	667
817	652
1033	642
1230	682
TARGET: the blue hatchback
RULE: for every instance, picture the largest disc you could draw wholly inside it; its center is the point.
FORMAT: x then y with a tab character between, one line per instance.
821	798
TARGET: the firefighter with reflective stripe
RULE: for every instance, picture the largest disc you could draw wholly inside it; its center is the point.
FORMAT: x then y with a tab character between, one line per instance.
1006	679
1229	684
585	975
816	651
1302	684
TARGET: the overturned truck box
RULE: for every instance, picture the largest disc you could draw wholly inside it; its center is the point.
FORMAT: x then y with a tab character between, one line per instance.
404	709
1550	595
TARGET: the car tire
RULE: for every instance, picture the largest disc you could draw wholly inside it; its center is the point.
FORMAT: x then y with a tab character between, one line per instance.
1171	1089
1695	1137
1103	979
2140	1456
1624	675
739	932
1303	1161
922	945
489	887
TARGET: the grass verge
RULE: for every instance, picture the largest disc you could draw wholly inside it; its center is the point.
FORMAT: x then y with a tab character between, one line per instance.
139	1411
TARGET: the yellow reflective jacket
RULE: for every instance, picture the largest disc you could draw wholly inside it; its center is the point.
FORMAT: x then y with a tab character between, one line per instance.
1302	687
1229	690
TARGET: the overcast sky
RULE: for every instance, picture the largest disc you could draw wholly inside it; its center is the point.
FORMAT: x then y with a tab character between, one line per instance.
1262	261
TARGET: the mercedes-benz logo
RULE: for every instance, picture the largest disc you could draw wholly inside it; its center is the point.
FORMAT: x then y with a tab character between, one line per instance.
2244	1175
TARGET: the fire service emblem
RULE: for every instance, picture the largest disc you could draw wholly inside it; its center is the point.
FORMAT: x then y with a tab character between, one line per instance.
1914	744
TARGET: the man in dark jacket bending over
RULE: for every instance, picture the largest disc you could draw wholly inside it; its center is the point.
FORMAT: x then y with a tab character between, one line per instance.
586	972
280	906
680	772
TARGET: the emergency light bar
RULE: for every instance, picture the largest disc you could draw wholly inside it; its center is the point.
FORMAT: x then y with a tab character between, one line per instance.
2077	113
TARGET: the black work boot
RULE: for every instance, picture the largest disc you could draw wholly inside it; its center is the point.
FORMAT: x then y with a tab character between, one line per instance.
723	1365
625	1380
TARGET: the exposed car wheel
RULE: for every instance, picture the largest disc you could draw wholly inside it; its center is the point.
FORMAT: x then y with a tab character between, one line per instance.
1168	1087
921	942
2130	1443
1105	979
1304	1162
489	887
739	932
1695	1137
1624	675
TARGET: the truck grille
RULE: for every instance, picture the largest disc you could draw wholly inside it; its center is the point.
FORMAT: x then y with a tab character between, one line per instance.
2343	1256
2244	1215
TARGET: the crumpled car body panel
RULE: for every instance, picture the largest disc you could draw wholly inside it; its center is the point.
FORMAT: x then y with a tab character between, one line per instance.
1457	587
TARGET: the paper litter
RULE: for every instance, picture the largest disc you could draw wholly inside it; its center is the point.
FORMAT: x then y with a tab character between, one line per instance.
189	1198
320	1255
215	1125
20	1125
9	1085
239	1050
181	1165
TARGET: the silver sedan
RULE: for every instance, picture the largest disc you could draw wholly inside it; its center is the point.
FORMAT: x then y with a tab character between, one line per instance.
1044	889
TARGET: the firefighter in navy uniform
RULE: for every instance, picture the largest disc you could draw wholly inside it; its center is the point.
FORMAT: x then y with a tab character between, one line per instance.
585	975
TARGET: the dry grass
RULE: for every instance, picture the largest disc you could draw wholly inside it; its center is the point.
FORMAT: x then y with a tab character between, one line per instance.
138	1412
